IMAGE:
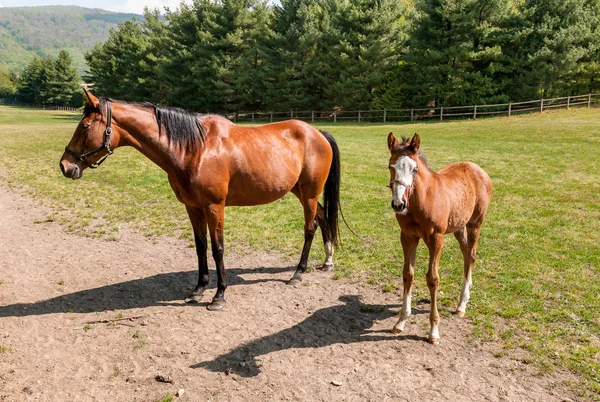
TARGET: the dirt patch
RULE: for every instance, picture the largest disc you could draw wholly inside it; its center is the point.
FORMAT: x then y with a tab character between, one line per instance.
93	320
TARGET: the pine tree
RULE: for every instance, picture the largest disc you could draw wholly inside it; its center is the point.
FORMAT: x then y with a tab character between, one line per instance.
558	44
454	50
63	81
31	82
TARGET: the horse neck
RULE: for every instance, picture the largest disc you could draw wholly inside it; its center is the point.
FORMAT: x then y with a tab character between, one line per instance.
140	131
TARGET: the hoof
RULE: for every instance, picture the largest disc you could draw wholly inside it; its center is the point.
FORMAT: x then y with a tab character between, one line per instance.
216	305
193	299
294	282
396	330
460	313
326	267
434	341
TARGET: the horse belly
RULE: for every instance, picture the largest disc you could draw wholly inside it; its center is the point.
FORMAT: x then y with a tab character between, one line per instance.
263	186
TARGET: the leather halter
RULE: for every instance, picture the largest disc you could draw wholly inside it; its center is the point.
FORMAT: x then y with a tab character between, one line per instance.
105	145
409	188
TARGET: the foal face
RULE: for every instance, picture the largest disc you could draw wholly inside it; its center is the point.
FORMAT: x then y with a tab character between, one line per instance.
402	175
403	170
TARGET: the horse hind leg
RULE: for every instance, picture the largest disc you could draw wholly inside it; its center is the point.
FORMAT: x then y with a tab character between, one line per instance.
467	239
310	226
328	263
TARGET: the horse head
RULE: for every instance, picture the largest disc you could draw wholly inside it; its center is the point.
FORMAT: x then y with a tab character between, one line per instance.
403	170
92	141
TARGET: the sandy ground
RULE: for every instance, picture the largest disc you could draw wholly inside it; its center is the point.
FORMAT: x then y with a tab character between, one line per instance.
84	319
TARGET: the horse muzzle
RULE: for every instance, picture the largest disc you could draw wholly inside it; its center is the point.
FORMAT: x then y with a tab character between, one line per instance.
70	170
399	208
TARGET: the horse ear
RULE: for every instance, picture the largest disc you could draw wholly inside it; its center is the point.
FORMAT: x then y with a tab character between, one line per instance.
392	141
91	99
415	143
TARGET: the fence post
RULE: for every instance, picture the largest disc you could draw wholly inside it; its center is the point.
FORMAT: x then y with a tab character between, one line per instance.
542	105
568	101
235	117
442	113
271	117
474	112
589	100
252	117
412	113
384	115
359	116
509	108
334	117
312	116
292	115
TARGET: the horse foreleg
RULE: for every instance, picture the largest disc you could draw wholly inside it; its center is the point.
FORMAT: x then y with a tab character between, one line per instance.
198	220
216	218
310	226
434	243
409	249
467	238
328	263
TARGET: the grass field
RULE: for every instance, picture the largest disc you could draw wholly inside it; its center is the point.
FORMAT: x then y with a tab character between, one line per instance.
537	279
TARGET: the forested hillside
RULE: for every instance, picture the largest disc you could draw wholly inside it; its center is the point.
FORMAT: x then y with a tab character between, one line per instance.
44	31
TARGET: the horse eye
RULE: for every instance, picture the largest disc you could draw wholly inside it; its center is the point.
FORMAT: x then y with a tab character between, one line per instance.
86	126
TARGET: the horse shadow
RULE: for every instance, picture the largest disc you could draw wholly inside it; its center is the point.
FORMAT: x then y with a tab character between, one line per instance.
340	324
156	290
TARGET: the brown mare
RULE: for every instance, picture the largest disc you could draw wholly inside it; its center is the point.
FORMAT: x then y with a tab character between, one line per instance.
428	205
212	163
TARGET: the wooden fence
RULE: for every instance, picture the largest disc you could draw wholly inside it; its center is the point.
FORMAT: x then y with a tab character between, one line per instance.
430	113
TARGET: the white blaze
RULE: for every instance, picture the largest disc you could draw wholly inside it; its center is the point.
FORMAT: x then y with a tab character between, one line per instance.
403	170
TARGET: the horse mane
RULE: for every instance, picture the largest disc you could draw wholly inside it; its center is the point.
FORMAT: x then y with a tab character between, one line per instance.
404	144
181	127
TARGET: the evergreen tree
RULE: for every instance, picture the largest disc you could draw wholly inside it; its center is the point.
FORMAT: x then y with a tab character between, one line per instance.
216	57
365	44
454	50
557	45
126	65
31	82
63	81
295	78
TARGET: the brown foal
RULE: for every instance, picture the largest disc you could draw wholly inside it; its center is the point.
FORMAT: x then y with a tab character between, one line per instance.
428	205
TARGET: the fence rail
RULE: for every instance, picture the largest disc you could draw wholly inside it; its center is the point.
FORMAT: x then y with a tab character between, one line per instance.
419	114
402	115
47	107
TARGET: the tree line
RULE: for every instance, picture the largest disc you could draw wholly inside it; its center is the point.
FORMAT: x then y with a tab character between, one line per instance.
247	55
45	81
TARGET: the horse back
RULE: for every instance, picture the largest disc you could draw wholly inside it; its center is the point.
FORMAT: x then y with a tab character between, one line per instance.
251	165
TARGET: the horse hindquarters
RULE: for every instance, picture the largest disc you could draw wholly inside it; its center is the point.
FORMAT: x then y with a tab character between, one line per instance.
325	216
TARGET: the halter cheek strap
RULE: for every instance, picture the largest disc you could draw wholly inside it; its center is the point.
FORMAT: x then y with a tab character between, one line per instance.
106	144
410	188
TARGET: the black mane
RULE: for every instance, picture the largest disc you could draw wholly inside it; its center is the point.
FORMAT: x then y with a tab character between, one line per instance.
181	127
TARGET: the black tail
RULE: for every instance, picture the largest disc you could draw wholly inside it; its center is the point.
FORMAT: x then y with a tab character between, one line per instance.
331	194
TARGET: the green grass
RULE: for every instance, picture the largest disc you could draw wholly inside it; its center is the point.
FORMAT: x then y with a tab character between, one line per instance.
536	281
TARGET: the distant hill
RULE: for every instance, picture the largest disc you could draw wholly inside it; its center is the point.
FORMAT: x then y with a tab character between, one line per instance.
44	31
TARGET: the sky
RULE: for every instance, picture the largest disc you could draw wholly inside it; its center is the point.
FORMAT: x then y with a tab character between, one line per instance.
123	6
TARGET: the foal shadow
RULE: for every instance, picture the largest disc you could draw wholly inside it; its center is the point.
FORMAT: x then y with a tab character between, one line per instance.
156	290
347	323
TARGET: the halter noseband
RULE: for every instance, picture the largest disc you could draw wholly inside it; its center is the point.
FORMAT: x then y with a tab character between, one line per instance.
410	188
105	145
